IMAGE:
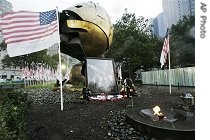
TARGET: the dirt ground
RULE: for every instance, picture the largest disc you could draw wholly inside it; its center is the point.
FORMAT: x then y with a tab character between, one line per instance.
83	120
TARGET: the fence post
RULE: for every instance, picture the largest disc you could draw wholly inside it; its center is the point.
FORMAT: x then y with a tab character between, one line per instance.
178	86
156	84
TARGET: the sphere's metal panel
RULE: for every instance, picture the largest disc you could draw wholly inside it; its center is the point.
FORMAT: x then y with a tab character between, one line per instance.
96	14
94	41
89	24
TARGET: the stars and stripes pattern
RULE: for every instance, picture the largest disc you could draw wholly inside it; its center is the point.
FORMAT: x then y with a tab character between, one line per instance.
165	49
28	32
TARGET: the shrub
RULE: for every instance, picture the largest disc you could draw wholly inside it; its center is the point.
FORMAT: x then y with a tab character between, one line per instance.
12	108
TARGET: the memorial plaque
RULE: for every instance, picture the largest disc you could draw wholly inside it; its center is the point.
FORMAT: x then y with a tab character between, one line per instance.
101	76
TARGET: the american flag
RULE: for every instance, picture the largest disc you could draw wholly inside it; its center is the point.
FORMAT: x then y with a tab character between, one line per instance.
27	32
165	49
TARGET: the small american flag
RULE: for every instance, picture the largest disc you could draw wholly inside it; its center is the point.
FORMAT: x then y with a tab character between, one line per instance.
27	32
165	49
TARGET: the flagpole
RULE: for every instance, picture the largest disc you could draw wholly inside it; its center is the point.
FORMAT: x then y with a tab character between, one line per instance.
163	57
59	54
169	66
120	74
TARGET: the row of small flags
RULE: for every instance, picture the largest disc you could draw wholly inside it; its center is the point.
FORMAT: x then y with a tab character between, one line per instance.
44	73
40	73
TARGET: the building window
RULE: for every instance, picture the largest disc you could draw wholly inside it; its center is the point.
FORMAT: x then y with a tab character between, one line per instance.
4	76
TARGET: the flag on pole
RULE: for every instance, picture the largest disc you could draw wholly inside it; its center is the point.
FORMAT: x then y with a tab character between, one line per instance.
27	32
119	71
59	75
165	49
67	75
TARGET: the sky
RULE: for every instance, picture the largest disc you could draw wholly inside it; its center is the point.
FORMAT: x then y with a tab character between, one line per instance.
114	8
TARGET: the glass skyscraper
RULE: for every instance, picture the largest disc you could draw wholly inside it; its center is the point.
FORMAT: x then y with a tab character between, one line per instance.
174	10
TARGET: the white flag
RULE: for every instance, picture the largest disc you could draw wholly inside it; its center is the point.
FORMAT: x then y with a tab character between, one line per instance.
120	72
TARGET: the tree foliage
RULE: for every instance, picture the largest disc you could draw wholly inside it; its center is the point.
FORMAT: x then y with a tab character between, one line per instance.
3	46
182	42
133	45
27	60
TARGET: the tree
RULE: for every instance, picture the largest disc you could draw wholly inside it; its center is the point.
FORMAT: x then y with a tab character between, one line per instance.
182	43
133	45
26	60
3	46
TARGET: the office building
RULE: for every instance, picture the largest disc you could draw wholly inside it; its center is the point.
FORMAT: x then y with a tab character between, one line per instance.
158	28
174	10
